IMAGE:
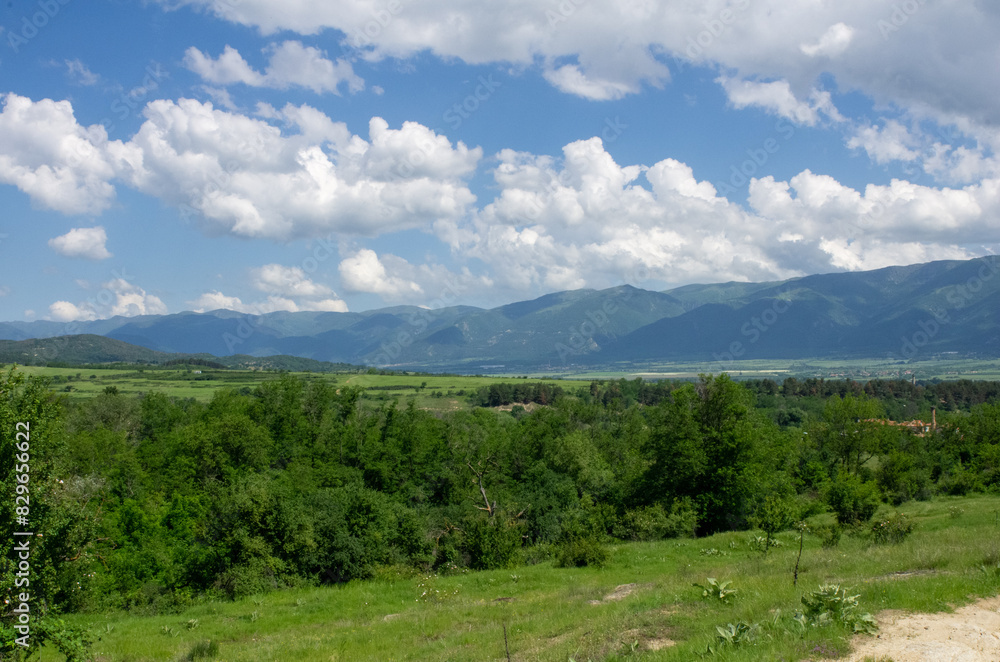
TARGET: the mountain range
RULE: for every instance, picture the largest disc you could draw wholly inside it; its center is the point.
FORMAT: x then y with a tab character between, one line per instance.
897	312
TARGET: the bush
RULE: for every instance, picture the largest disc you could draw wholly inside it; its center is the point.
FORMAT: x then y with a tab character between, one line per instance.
642	524
655	523
492	542
829	536
852	501
578	552
892	529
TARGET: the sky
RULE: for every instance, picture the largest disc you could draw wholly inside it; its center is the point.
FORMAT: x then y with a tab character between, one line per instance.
161	156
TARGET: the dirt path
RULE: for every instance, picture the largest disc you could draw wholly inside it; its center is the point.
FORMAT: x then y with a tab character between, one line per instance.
971	634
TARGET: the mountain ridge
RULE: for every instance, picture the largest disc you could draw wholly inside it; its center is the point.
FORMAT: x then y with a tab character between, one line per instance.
898	311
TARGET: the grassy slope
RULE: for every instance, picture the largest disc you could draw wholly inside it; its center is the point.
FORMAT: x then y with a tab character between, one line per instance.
553	615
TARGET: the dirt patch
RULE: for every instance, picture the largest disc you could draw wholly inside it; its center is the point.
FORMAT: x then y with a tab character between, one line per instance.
659	644
971	634
620	592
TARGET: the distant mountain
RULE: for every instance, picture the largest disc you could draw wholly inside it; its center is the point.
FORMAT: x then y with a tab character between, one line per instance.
897	311
93	349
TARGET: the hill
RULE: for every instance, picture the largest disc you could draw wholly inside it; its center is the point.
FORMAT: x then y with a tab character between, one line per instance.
896	312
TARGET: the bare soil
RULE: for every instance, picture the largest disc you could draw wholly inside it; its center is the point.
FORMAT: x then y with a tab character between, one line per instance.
970	634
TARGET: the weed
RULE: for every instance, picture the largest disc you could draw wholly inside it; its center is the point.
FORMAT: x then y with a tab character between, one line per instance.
734	635
717	590
892	529
763	543
203	649
831	604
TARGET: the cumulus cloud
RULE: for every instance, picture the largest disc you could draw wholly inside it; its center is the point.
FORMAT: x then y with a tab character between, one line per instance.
890	143
238	174
290	64
833	42
216	300
243	176
912	59
288	281
585	220
49	156
364	272
397	280
777	97
117	297
82	242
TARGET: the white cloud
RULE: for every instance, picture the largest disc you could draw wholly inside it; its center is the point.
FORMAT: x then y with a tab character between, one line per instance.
117	297
79	72
364	272
833	42
290	64
585	220
241	175
569	78
216	300
82	242
932	60
777	97
890	143
288	281
64	311
49	156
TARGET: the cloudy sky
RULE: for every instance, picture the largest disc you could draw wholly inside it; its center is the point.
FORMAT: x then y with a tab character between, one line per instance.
258	155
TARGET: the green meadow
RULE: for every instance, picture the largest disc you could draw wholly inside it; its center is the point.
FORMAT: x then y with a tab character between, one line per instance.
642	605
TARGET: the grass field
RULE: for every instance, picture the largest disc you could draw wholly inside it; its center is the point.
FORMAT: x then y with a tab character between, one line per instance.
435	392
942	367
641	606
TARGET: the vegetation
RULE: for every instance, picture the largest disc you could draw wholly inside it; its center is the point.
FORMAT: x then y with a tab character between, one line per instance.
167	508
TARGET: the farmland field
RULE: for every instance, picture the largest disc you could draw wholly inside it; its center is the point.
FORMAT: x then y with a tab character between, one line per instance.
436	392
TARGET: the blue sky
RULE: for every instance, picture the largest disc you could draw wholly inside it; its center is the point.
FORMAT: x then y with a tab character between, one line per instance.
257	155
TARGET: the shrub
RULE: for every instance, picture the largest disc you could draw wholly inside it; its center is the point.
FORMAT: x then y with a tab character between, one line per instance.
829	536
852	501
682	522
774	514
577	552
892	529
492	542
647	523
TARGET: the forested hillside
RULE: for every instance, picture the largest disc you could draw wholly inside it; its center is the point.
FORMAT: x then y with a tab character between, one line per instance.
148	503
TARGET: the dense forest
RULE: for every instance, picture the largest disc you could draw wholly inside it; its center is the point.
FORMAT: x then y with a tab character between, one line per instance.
151	503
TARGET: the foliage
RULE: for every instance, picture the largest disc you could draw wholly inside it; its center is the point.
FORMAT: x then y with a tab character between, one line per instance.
830	603
716	590
774	514
892	529
734	635
492	542
852	500
577	552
